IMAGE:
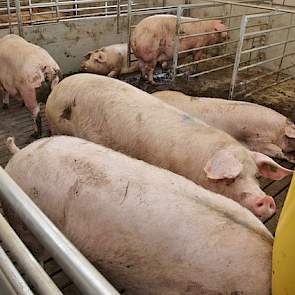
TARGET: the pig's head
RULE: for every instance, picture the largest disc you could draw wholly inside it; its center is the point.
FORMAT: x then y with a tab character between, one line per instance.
95	62
221	36
232	172
288	141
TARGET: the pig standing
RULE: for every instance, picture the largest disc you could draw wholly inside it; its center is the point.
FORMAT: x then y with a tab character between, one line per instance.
28	72
110	60
153	39
146	229
259	128
113	113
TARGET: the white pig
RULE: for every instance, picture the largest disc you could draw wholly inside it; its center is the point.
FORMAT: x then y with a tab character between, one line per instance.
28	72
110	60
153	40
113	113
149	231
260	128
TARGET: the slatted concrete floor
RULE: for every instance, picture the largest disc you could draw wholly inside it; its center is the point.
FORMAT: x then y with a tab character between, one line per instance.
17	122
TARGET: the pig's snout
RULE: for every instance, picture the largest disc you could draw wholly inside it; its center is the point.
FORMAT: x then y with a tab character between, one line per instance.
264	207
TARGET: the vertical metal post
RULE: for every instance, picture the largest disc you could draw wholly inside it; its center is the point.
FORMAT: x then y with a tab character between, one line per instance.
19	18
118	15
285	47
57	9
9	15
129	32
177	41
244	22
76	8
30	11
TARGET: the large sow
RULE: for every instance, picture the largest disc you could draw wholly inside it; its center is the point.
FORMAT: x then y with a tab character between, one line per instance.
115	114
260	128
27	72
147	230
153	40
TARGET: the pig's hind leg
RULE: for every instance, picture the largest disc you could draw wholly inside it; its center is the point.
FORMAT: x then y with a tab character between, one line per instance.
30	100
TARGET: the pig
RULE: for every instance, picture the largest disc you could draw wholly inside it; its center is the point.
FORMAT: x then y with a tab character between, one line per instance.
259	128
111	61
153	40
117	115
146	229
28	72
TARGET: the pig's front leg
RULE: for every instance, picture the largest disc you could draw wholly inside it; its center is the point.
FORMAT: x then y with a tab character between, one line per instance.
5	100
142	68
114	73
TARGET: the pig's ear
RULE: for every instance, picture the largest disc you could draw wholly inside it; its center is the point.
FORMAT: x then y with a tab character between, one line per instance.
223	165
290	130
88	54
268	168
100	57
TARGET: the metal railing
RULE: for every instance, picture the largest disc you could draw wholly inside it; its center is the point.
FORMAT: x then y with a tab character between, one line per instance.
76	266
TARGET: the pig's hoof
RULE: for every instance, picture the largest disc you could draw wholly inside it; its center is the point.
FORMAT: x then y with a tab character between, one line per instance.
5	106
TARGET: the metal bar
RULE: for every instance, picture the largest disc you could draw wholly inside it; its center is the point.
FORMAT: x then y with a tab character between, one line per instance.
255	79
238	56
211	71
264	62
118	15
19	18
270	85
196	62
5	285
9	15
129	22
269	31
207	47
13	276
78	268
268	46
285	46
208	33
36	274
177	42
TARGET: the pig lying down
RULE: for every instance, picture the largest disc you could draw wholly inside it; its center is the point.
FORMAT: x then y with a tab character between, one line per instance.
28	72
117	115
259	128
110	61
153	39
149	231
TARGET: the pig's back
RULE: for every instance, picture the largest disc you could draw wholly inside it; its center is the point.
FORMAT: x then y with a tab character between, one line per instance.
148	230
127	119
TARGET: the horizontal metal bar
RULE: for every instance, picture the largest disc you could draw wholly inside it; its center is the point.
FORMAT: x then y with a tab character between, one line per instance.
255	79
39	278
270	85
267	46
212	70
196	62
13	276
207	33
265	61
253	6
208	46
78	268
269	30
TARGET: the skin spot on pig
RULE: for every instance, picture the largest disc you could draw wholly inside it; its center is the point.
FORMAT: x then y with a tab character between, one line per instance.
67	113
273	168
